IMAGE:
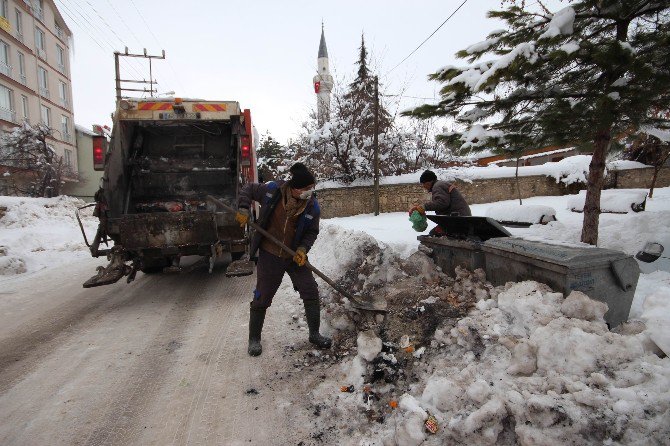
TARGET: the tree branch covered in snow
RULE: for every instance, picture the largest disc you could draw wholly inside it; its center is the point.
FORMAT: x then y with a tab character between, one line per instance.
25	152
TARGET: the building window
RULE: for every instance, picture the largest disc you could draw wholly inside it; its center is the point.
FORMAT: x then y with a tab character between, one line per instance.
19	25
38	8
4	7
22	67
45	115
59	31
25	106
65	127
62	91
67	157
43	81
60	58
5	67
7	104
40	43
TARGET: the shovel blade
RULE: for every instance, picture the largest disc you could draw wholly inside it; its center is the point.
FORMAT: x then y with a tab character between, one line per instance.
368	304
240	268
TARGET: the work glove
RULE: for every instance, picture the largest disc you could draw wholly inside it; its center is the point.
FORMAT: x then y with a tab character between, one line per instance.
417	207
300	256
242	216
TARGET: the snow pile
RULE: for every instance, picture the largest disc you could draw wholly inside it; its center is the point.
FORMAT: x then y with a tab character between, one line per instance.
525	366
38	232
516	213
656	315
613	200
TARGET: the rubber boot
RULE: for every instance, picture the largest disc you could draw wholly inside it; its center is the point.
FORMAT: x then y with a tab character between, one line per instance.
313	316
256	319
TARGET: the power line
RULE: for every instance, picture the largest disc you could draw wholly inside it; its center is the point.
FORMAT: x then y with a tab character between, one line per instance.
159	44
70	13
124	23
95	23
428	38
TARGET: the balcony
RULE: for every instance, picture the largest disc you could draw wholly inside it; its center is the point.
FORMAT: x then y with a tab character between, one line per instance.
39	13
60	33
61	68
64	102
44	92
5	69
67	137
42	54
7	114
23	79
19	36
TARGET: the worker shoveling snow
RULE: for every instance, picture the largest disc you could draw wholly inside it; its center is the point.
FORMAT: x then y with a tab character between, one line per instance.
516	364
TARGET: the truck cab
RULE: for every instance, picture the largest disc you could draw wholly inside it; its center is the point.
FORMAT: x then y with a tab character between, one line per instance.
164	159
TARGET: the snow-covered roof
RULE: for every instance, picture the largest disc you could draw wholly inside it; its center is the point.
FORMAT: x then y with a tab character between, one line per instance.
84	130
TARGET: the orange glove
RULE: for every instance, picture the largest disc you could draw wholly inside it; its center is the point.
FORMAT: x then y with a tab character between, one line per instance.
417	207
300	256
242	216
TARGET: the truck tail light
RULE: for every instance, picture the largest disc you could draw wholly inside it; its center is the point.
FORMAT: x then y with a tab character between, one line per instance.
99	152
246	148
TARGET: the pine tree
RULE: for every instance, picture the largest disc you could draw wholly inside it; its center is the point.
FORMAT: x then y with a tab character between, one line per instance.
583	75
273	158
360	97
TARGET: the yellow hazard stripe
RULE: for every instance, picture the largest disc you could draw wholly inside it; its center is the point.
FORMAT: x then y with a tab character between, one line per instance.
210	107
154	106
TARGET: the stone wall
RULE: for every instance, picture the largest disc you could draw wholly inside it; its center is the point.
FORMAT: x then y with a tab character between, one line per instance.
344	202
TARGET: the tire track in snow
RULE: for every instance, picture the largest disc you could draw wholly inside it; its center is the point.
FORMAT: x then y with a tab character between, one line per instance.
128	413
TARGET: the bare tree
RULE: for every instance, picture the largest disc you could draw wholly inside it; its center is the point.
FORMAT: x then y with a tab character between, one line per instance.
26	152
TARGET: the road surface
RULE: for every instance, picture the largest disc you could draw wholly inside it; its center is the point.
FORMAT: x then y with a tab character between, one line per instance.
156	362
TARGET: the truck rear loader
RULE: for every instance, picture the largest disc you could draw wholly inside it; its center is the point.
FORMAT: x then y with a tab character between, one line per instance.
164	158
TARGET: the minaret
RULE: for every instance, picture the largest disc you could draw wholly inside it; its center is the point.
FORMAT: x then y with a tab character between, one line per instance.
323	82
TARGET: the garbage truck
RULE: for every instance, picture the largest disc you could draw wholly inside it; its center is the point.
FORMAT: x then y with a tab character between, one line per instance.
164	158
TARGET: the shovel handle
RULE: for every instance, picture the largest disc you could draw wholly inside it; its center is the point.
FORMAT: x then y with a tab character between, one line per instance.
279	243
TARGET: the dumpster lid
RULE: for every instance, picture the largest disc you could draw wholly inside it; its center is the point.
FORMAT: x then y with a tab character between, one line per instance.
470	228
571	256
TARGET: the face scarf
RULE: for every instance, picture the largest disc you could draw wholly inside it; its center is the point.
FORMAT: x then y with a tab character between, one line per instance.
304	195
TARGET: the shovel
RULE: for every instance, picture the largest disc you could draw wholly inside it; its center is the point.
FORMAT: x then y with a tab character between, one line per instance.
356	302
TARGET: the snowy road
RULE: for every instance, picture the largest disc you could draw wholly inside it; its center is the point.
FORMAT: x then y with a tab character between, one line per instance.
160	361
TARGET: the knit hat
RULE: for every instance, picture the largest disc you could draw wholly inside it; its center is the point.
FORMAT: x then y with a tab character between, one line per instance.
300	176
427	176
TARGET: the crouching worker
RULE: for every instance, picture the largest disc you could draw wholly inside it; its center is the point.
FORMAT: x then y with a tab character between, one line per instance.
290	212
445	199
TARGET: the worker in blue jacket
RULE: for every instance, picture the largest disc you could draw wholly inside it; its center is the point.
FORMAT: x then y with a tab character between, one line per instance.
290	212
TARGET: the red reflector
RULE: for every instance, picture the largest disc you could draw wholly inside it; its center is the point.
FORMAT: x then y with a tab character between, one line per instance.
245	151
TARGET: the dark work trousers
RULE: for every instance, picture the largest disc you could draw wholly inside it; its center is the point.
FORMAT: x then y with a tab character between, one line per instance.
269	273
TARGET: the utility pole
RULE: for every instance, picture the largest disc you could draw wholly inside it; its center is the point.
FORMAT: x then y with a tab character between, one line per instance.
376	146
151	81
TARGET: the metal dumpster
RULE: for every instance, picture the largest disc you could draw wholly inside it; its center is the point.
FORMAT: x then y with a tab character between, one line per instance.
461	246
603	274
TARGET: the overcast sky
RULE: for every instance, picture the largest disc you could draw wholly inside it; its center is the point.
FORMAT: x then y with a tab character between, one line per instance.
262	53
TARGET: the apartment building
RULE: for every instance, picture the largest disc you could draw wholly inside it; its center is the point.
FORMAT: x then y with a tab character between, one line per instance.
35	83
